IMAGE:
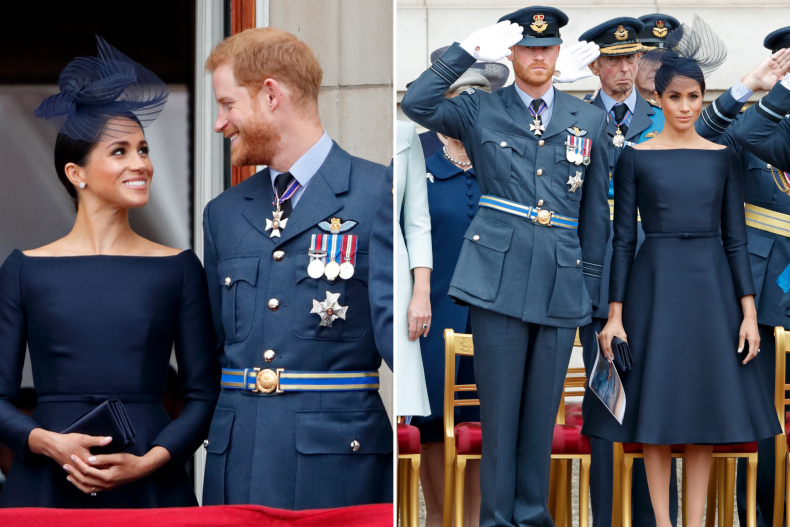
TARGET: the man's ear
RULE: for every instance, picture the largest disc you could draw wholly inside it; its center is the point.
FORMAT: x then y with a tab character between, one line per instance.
270	94
595	68
512	53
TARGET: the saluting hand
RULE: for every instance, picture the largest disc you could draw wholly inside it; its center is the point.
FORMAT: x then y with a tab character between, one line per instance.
768	72
493	43
572	62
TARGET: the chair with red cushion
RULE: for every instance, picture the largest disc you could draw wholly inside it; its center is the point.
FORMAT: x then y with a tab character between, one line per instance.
464	441
781	495
721	483
408	475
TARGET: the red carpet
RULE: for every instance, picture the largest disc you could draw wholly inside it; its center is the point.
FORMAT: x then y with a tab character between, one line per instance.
225	516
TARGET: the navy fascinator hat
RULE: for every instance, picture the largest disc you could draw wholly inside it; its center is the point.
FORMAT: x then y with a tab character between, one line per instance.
95	90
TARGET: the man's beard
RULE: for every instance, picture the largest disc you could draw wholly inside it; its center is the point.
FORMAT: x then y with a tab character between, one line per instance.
532	77
258	142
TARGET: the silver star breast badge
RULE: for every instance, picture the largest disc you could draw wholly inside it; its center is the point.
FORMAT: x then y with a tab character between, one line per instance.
575	181
329	310
276	225
537	127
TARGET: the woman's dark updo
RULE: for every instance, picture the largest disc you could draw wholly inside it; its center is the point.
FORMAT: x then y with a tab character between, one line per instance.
68	150
673	65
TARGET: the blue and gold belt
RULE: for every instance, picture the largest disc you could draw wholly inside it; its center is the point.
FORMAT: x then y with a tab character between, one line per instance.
255	380
534	214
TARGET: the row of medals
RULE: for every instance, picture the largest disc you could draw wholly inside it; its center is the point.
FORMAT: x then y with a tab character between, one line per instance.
574	156
331	270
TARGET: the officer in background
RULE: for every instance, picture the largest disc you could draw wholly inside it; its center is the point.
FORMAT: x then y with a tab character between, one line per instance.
532	257
657	27
759	136
299	423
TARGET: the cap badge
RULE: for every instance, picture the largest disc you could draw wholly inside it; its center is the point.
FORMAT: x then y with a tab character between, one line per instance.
539	26
660	31
621	33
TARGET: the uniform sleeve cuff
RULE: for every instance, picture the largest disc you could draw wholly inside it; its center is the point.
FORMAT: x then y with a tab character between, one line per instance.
450	66
775	105
722	112
740	92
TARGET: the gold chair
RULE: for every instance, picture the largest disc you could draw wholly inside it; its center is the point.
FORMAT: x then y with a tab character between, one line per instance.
780	442
408	475
463	442
721	482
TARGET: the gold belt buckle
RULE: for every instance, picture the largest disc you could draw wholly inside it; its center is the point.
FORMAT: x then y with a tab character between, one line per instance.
544	217
267	381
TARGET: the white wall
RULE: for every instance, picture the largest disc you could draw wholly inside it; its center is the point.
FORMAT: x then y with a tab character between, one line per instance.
425	25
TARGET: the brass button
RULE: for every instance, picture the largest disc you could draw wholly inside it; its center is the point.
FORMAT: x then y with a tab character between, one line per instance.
768	166
476	237
578	262
278	255
274	304
503	144
227	281
355	445
540	203
541	142
539	172
268	355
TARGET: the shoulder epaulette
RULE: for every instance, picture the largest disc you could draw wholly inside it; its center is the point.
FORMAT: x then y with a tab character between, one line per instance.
653	103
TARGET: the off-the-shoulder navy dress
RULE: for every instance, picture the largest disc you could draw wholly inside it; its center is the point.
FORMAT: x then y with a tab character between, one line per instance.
681	303
102	327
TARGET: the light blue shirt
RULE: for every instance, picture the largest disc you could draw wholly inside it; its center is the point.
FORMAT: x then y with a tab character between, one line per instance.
306	166
547	97
630	102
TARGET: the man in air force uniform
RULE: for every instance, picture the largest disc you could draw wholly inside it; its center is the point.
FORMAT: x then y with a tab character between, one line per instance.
299	423
532	257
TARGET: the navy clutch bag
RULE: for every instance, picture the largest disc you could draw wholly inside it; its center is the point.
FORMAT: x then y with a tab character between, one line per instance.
109	419
622	354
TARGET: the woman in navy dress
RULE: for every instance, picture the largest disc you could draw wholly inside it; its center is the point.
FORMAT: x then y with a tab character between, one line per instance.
685	303
100	310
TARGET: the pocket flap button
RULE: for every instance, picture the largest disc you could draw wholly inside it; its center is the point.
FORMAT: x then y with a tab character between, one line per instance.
227	281
355	445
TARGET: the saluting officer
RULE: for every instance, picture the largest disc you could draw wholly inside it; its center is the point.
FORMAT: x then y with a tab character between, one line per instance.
299	423
631	119
759	136
531	259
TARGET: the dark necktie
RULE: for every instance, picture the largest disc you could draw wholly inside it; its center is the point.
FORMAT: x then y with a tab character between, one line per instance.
536	103
281	182
619	114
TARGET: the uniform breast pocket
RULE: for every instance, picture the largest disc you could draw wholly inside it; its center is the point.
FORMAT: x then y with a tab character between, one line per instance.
505	149
238	277
567	178
761	186
352	294
482	257
569	298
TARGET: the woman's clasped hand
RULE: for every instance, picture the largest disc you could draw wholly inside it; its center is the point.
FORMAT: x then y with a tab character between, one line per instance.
94	473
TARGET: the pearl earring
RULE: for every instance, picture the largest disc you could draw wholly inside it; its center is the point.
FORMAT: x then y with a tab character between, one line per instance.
82	185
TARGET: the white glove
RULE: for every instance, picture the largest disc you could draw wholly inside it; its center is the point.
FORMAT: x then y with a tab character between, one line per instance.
493	43
573	61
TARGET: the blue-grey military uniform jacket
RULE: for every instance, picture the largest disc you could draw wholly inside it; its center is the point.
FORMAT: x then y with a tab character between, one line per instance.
293	450
751	133
509	264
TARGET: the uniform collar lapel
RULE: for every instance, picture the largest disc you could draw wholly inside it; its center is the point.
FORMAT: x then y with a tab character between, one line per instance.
562	117
516	107
258	206
640	120
319	200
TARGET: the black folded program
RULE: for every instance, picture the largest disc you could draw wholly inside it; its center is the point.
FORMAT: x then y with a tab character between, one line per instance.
622	354
109	419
